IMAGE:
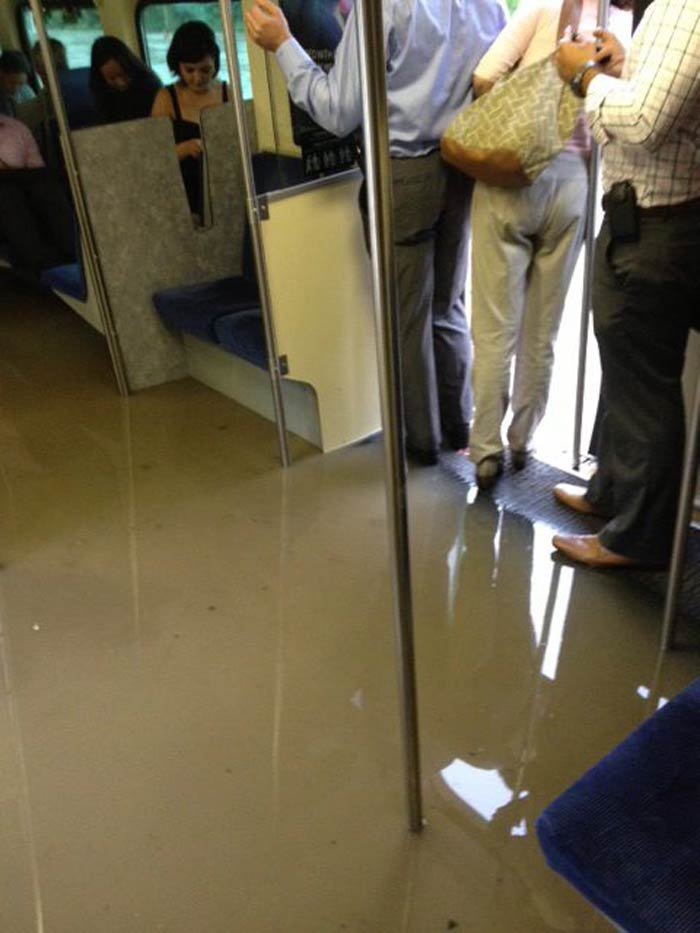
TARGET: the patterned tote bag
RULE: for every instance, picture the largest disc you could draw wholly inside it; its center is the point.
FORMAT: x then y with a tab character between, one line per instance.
508	136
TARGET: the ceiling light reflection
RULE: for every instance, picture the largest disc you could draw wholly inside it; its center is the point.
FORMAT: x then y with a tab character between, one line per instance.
555	637
482	789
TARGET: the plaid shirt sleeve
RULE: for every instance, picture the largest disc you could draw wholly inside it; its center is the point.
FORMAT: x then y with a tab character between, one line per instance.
659	91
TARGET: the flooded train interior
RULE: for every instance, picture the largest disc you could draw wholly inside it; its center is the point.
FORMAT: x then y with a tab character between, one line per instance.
199	723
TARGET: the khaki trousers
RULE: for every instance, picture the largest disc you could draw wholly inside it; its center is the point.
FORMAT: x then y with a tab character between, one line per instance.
525	243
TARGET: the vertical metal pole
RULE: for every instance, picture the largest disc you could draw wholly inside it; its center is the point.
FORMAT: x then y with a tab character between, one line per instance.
90	255
683	516
586	302
589	255
381	229
11	693
253	211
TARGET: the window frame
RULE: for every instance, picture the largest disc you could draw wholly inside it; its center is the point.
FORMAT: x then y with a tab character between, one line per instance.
48	6
138	17
142	5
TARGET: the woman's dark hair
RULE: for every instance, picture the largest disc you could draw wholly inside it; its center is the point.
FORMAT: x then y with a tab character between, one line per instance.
107	49
192	42
121	105
58	51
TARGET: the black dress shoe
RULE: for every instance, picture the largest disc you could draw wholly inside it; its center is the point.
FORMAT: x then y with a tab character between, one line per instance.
519	459
420	456
488	472
456	438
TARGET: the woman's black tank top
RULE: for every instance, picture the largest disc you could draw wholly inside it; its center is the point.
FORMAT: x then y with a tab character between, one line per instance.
184	130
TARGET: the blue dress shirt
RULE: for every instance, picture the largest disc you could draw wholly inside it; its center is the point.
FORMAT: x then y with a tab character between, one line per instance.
431	47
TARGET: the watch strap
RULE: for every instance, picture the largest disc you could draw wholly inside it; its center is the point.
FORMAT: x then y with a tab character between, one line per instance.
576	83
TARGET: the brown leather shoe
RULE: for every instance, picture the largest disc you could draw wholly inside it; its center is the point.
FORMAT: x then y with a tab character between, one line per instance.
574	497
587	549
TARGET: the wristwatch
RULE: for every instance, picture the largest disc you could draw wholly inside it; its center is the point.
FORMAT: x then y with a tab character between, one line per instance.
576	83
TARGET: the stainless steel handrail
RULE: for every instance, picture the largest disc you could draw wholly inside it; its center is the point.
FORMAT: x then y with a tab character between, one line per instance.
253	211
91	257
683	517
381	230
586	298
313	184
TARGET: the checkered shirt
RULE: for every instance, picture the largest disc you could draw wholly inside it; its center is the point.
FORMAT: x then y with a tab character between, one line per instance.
648	120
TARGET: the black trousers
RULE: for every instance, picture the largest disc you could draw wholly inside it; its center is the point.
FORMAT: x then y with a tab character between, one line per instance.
645	300
36	220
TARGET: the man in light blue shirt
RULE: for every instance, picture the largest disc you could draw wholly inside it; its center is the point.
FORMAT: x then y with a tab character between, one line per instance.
431	48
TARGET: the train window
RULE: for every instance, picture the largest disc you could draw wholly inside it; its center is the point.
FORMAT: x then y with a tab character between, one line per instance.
158	22
76	26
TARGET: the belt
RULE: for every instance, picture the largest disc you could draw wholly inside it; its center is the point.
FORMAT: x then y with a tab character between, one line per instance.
422	155
671	210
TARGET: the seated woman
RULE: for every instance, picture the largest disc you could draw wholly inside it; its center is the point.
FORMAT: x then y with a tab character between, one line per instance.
525	243
194	57
123	87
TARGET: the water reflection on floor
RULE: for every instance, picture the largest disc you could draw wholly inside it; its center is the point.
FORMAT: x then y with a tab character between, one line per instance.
199	728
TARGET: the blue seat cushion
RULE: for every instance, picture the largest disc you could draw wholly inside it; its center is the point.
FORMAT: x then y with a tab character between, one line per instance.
627	834
195	309
68	280
244	335
77	97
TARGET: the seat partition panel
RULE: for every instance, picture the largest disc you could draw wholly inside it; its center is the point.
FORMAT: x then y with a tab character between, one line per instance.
145	235
320	288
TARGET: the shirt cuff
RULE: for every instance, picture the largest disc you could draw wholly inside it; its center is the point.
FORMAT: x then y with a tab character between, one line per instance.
598	89
291	57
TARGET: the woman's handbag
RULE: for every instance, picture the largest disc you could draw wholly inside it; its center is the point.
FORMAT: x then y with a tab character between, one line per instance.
508	136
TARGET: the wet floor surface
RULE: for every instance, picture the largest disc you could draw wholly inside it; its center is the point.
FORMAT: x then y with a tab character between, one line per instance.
199	729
